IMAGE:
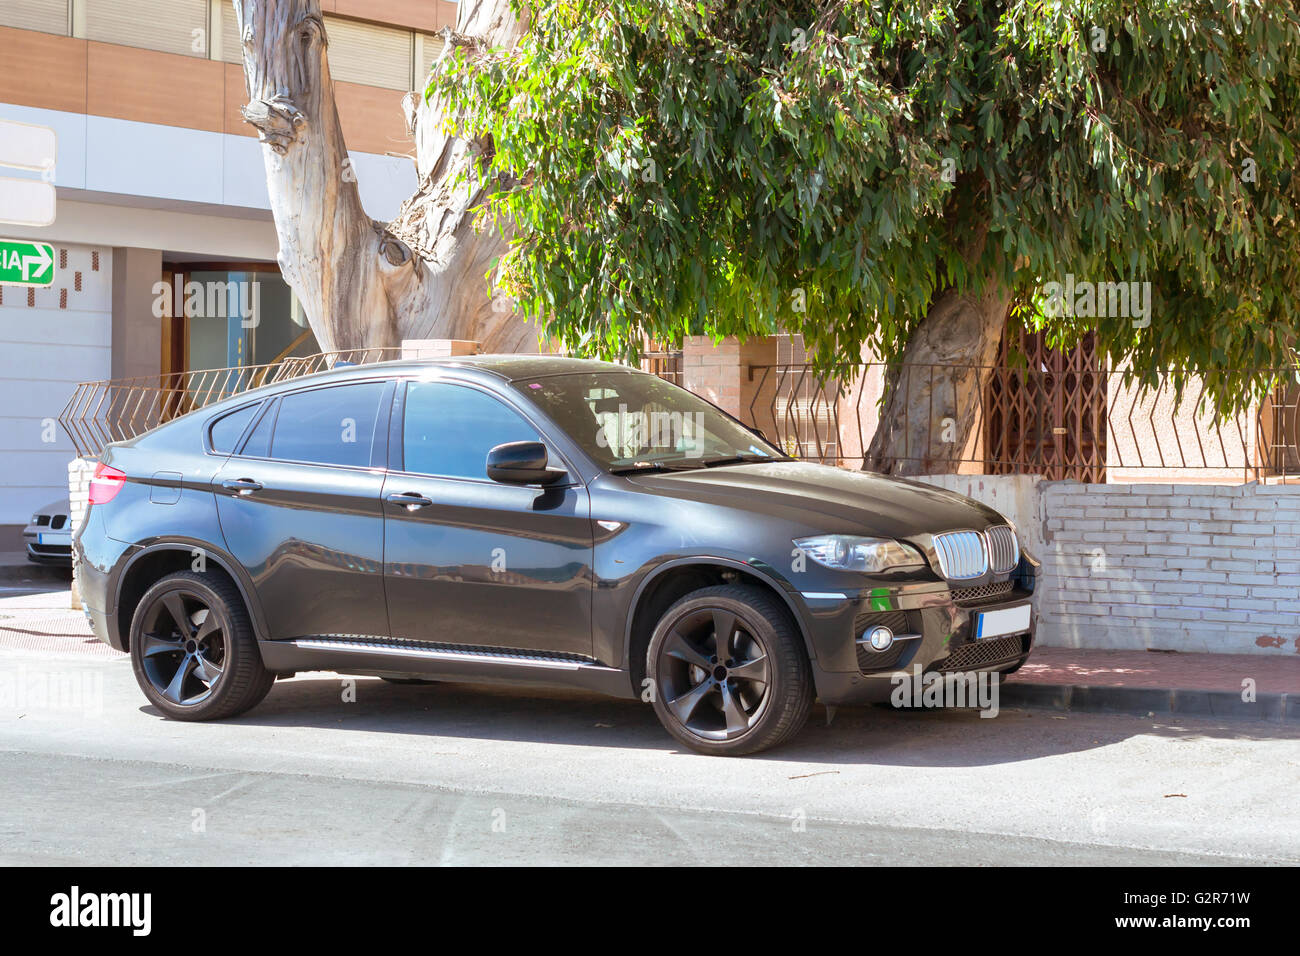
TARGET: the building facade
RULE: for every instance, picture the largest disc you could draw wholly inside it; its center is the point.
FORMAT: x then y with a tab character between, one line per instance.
164	243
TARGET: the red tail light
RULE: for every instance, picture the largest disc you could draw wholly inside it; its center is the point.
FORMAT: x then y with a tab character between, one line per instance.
105	483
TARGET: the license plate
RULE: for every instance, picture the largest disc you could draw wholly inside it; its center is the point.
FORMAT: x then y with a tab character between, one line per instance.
1003	621
54	538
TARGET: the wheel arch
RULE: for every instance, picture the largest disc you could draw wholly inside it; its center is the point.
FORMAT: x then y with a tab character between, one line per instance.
674	579
158	559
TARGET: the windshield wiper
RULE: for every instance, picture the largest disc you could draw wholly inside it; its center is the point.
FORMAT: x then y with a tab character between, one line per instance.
736	460
643	466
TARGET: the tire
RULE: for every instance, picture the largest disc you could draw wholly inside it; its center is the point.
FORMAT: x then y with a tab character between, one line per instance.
761	707
223	673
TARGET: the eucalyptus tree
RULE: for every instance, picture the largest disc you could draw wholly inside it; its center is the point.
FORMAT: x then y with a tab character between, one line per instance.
887	178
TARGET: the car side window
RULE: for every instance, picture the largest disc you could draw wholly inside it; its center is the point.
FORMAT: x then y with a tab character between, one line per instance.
449	429
225	431
328	426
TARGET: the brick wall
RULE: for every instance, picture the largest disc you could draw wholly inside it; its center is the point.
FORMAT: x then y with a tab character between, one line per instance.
730	375
79	472
1170	567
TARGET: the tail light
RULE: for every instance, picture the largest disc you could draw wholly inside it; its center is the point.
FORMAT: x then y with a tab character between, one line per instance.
105	483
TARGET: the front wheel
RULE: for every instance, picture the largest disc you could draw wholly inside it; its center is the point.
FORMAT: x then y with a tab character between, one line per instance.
729	671
193	649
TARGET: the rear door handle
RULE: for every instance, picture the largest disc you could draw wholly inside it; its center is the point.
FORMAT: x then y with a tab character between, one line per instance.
411	500
245	486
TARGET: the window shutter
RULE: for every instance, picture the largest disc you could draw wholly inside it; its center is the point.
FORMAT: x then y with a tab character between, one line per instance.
430	49
48	16
364	53
176	26
232	51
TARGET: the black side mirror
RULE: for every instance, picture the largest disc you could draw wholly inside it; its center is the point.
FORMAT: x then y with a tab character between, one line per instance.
521	463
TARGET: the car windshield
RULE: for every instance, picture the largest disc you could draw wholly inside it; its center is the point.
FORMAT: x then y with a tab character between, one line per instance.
631	421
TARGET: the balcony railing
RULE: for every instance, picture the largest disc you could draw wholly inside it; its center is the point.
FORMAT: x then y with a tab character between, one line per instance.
1089	425
119	409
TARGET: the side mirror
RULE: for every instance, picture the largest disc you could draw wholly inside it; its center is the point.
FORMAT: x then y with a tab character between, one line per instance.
521	463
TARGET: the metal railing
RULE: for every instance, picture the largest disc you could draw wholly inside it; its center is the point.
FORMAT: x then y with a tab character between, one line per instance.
1089	425
119	409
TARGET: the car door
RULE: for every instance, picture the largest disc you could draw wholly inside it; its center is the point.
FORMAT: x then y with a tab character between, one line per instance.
300	508
473	562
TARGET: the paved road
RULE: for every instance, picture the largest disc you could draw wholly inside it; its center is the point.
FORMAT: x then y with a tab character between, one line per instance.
89	773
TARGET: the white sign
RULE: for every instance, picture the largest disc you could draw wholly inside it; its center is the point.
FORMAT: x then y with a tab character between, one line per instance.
25	146
28	202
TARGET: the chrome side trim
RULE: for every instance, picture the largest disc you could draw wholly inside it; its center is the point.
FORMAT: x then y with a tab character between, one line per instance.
439	654
897	638
824	596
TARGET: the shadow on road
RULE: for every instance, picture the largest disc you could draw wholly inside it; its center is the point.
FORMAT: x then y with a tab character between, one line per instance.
860	735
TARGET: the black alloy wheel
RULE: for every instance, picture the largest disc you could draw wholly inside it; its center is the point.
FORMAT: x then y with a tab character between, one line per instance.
193	650
730	672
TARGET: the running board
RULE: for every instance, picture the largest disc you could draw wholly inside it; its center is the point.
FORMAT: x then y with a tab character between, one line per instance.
447	663
443	654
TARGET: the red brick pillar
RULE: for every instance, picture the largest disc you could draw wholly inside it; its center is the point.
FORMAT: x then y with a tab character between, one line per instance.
437	348
740	378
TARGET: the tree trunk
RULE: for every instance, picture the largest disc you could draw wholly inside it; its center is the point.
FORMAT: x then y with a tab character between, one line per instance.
364	283
934	398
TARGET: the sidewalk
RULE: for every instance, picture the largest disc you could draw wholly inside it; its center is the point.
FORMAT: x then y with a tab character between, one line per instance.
1159	682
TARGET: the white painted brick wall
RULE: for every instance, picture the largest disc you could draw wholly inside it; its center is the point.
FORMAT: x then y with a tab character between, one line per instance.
79	472
1170	567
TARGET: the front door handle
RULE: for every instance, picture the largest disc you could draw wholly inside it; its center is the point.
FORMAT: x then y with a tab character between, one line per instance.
245	486
411	500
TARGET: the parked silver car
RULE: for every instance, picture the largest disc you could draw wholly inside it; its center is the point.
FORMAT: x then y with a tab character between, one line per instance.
49	535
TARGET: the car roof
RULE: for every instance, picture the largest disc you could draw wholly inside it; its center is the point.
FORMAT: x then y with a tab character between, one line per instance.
511	368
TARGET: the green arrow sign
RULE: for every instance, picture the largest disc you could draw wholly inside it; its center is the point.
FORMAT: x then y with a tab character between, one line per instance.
26	263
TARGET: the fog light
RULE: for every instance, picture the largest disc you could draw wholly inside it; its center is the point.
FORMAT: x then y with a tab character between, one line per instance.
880	638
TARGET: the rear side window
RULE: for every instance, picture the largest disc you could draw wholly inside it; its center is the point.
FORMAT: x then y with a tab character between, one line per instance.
328	426
449	429
227	429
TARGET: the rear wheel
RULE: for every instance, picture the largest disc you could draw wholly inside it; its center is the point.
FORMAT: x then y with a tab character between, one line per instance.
193	649
729	670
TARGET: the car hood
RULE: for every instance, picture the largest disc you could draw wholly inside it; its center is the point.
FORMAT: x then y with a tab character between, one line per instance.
826	499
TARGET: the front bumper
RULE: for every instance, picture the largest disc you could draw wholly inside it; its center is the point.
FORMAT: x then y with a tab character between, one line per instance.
943	619
48	547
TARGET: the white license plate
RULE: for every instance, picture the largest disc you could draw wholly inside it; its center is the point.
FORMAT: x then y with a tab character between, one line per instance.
1003	621
54	538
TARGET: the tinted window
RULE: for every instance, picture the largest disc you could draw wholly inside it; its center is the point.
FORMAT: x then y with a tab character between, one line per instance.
449	429
227	429
332	426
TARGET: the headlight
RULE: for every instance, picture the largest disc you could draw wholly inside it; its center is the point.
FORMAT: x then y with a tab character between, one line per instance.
846	552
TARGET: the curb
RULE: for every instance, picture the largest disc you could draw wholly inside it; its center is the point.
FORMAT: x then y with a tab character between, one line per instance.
1141	701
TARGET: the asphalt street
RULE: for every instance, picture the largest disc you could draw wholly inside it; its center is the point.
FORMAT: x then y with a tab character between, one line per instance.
91	774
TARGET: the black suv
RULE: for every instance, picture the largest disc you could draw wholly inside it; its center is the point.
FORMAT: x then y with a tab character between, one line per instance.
536	520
